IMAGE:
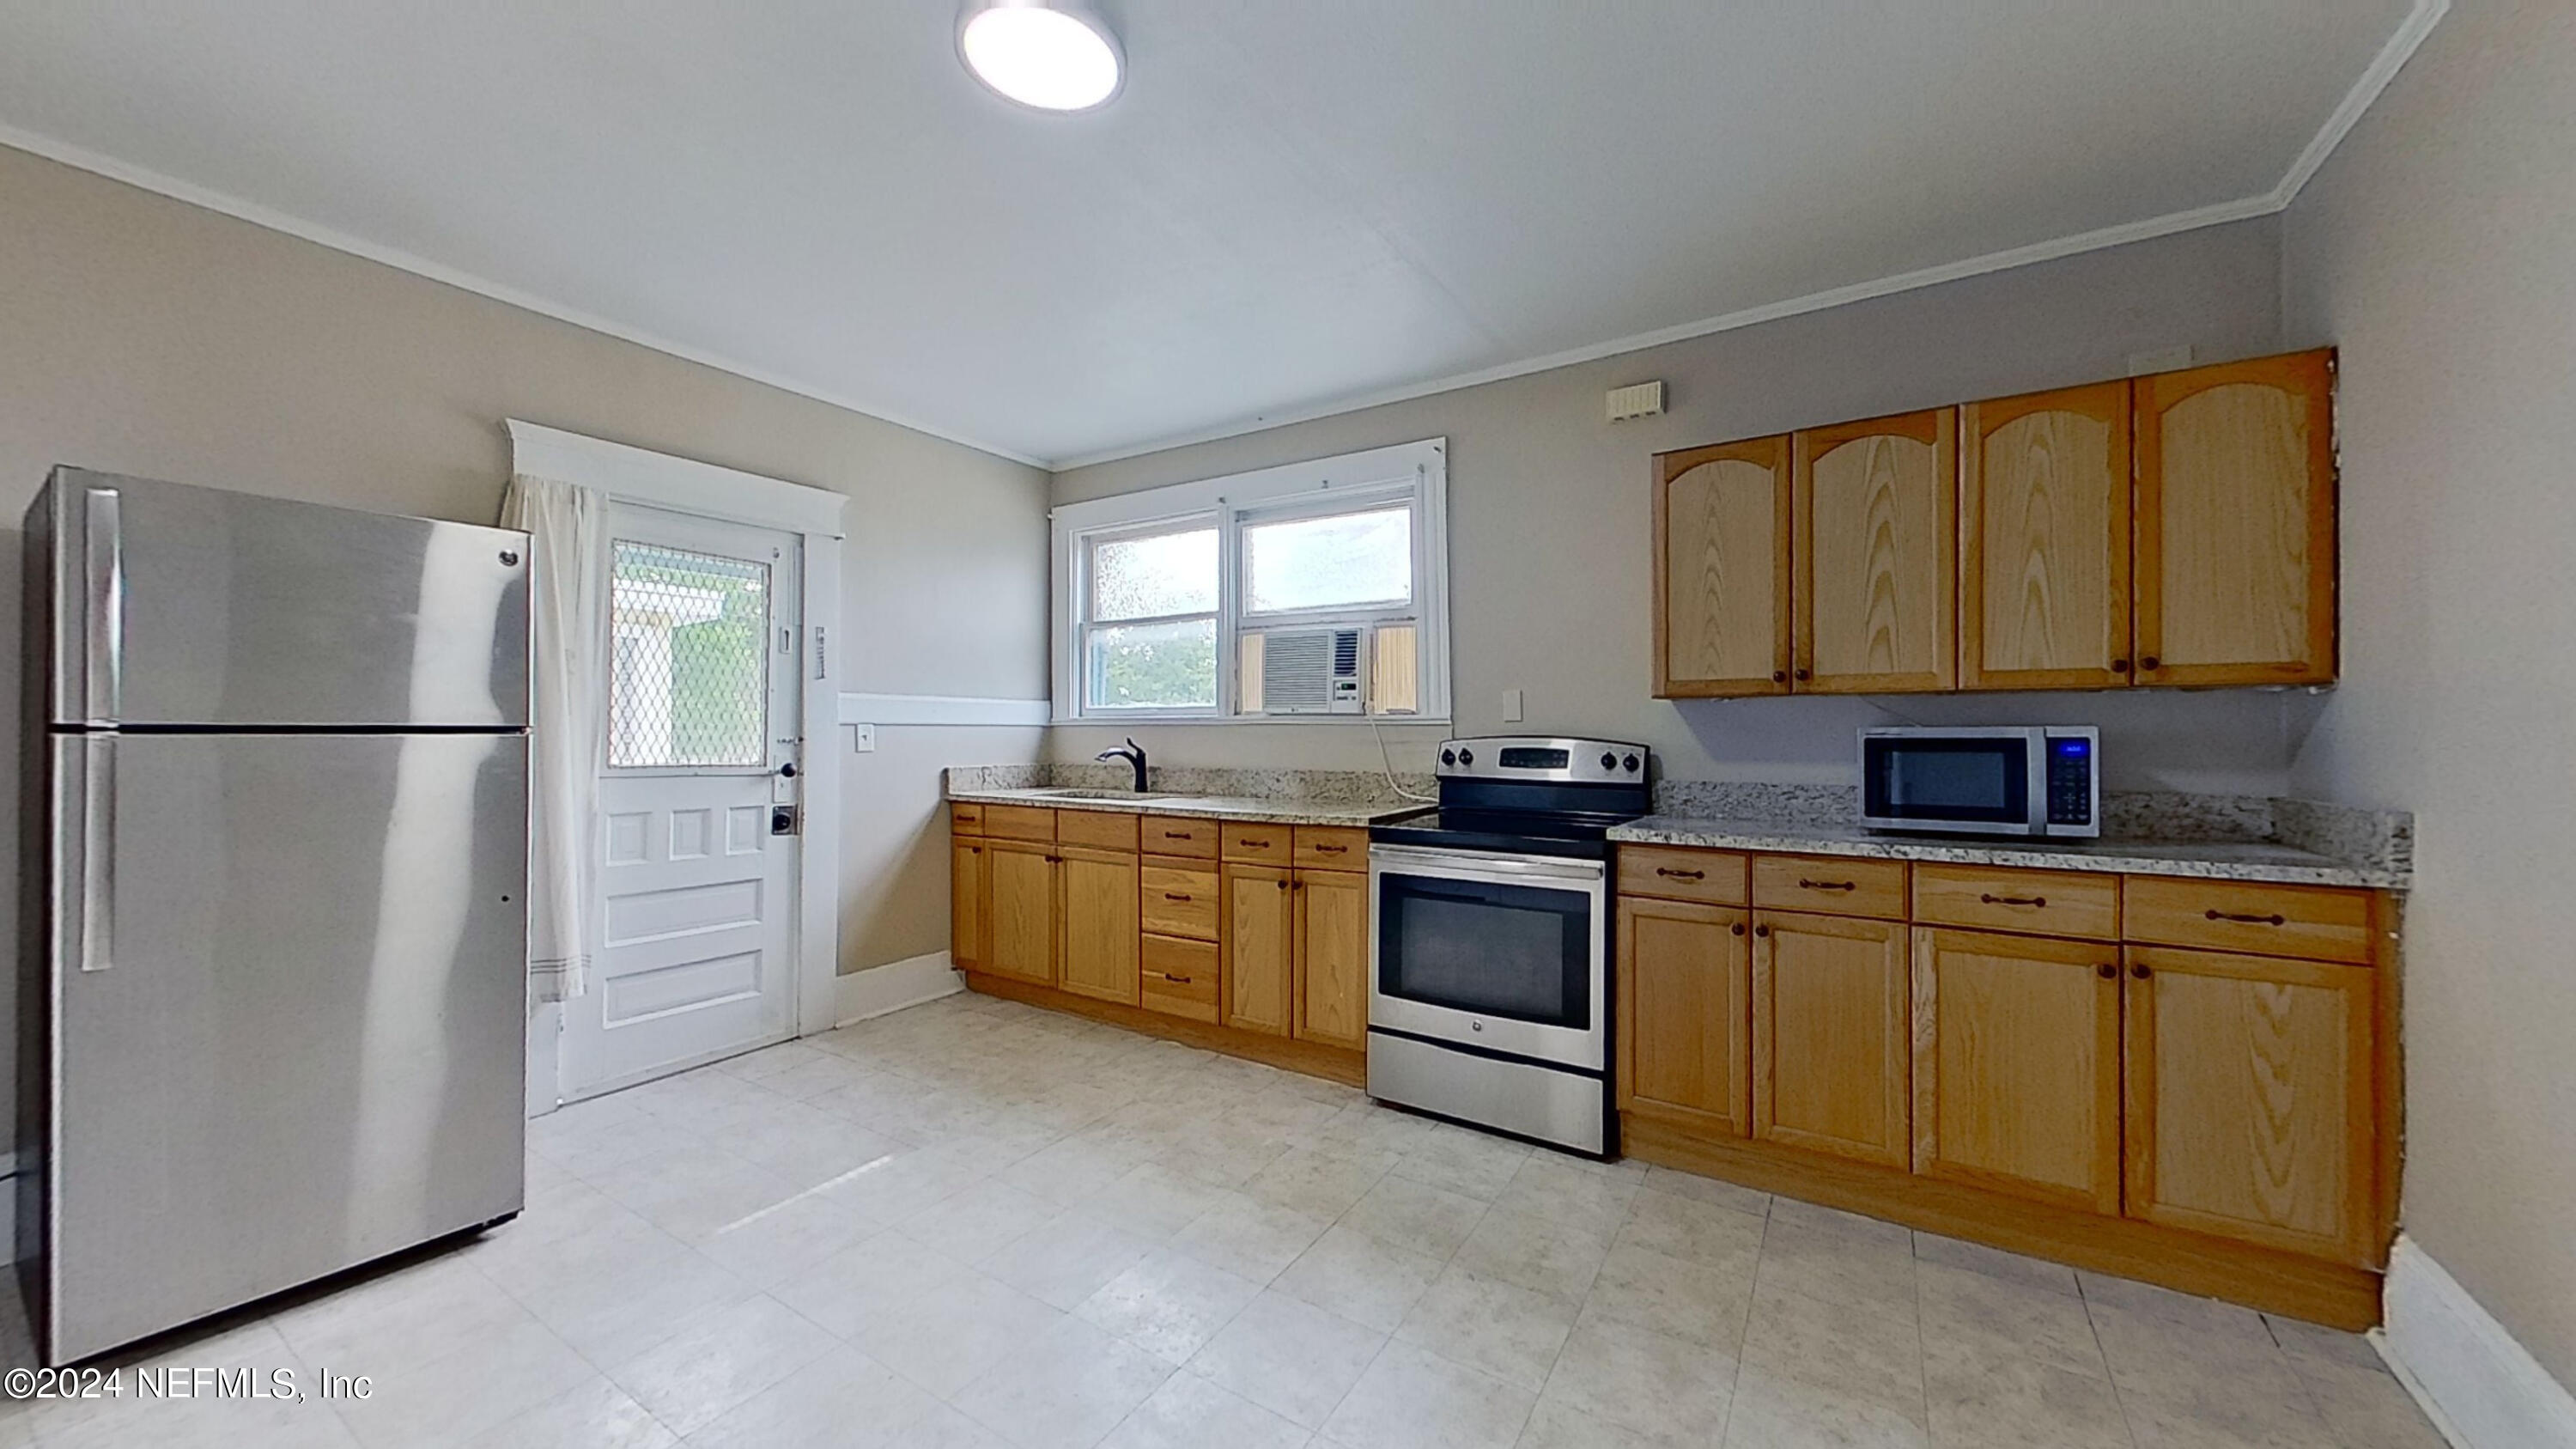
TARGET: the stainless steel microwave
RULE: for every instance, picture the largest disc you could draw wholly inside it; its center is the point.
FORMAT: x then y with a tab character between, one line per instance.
1990	780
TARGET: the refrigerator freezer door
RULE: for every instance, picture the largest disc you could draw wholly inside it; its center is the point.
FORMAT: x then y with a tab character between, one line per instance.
308	1050
177	605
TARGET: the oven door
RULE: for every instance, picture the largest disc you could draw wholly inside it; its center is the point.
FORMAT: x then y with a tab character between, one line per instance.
1502	953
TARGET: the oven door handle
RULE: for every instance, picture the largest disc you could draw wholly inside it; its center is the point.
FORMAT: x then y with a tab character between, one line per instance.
1477	865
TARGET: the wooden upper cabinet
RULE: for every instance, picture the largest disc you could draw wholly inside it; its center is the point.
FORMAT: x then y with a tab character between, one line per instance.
1831	1035
2044	540
2017	1065
2236	523
2251	1100
1685	1014
1722	570
1874	534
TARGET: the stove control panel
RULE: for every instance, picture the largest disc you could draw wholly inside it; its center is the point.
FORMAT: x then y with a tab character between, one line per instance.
1544	758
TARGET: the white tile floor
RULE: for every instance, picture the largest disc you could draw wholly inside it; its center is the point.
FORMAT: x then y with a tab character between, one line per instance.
973	1223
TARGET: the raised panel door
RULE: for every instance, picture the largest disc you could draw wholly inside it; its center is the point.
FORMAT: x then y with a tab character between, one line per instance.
2017	1065
1101	931
2250	1099
1685	1014
1332	957
1722	570
1259	944
1020	919
2044	540
2236	523
1876	547
1831	1035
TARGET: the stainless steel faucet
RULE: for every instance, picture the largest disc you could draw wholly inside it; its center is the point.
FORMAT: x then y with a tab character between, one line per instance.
1134	755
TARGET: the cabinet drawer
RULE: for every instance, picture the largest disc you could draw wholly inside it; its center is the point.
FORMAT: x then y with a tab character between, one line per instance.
1180	835
1104	829
2318	923
1995	898
1331	847
1711	877
964	819
1256	844
1019	822
1835	885
1180	978
1180	902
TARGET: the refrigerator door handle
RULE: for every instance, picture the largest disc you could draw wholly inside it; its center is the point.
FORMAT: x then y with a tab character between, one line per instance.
103	580
98	853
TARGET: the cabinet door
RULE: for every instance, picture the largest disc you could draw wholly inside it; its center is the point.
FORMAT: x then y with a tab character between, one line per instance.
966	903
1100	925
2044	540
1830	1035
2017	1065
2236	523
1020	911
2251	1107
1332	957
1876	577
1686	1014
1722	570
1259	944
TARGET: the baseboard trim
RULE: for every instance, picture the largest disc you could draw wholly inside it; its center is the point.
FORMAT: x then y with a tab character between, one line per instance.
1313	1059
2477	1384
894	986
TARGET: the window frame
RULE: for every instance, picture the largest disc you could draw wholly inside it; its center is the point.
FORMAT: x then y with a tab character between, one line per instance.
1413	474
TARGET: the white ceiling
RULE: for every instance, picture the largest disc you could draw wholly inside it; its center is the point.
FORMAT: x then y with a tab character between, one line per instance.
1294	206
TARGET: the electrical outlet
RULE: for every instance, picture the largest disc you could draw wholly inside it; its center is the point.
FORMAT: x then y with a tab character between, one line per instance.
1511	706
863	738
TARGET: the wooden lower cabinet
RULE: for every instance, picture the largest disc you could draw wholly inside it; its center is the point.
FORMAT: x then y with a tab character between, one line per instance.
1685	978
1830	1035
966	904
2251	1100
1020	915
1259	943
2017	1065
1332	956
1101	931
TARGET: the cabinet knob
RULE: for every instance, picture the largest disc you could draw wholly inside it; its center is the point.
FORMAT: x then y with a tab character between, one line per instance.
2119	666
1763	931
1737	928
1779	676
2107	971
2140	971
1802	674
2150	662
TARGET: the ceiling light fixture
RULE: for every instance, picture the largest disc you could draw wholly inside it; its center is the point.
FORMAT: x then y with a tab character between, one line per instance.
1050	55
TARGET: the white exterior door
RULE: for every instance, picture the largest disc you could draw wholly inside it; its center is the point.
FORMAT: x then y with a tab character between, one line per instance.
699	802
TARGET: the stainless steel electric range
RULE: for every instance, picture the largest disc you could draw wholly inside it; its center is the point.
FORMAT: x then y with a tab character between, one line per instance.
1489	997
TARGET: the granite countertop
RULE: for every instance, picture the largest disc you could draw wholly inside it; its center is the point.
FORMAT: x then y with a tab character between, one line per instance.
2244	860
1257	810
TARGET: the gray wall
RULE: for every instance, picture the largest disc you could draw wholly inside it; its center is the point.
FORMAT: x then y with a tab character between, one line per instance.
1550	549
2436	249
143	335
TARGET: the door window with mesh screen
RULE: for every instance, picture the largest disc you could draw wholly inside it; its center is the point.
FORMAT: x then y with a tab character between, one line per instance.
689	680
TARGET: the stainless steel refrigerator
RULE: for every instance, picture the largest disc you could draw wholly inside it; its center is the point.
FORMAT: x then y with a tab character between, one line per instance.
272	1009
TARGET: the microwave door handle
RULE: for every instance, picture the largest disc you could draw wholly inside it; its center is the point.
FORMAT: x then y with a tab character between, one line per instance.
2036	791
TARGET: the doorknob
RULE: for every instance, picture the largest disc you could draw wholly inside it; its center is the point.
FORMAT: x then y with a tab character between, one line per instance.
787	771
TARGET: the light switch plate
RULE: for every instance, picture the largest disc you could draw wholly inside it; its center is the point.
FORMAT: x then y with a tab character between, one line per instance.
863	738
1511	706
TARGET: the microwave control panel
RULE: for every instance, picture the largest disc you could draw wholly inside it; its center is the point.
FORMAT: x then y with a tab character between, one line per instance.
2070	781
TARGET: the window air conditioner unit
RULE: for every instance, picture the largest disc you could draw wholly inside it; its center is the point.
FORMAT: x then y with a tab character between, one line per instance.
1314	671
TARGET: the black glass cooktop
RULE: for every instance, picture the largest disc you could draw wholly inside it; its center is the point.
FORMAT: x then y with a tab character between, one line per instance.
1583	837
